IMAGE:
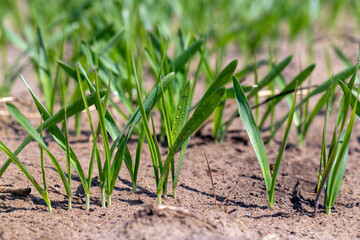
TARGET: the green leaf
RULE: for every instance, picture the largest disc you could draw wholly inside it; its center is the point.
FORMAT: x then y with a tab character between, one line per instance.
113	41
154	154
180	61
21	166
342	56
68	69
24	122
44	70
270	76
352	99
221	80
182	110
253	132
15	39
250	68
282	149
218	130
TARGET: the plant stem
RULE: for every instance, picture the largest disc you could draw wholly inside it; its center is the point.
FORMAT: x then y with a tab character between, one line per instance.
159	201
49	207
165	184
87	203
69	202
109	200
328	211
174	192
103	202
301	140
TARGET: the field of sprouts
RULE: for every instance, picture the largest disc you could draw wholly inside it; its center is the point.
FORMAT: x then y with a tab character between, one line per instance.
145	119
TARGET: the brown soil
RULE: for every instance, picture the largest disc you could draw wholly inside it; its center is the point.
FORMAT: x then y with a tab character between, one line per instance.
243	215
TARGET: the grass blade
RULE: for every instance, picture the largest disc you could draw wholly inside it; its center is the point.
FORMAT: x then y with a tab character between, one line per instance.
270	77
44	70
179	62
253	132
24	122
21	166
282	149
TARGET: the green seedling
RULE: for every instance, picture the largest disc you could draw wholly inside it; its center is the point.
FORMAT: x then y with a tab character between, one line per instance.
256	140
333	164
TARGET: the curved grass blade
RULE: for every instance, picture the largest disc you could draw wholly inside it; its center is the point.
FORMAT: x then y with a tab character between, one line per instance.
69	70
250	68
218	130
329	101
24	122
104	134
342	56
253	132
352	97
137	159
44	70
179	62
221	80
182	111
21	166
282	149
94	151
181	116
67	151
113	41
270	76
120	142
177	173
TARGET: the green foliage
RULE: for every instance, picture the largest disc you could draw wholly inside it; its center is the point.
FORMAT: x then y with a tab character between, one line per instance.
332	165
256	140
